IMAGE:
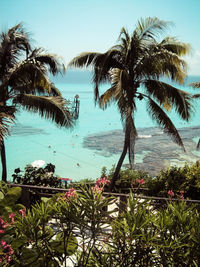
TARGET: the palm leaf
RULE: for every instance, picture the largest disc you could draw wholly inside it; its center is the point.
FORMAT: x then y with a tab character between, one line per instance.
107	97
160	62
149	27
7	118
54	108
164	121
30	75
179	99
83	60
49	60
195	84
173	45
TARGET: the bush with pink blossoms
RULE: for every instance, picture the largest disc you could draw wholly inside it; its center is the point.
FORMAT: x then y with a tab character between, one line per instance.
6	253
100	184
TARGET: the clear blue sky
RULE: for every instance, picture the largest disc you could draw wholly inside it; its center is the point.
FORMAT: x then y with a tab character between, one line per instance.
69	27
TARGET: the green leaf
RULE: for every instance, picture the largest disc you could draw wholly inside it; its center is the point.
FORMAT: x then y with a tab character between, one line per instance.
12	195
1	196
29	255
16	243
59	246
45	199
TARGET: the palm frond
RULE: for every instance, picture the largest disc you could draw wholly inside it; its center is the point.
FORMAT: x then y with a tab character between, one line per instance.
54	108
195	84
103	66
55	91
164	121
179	99
13	43
158	62
175	46
7	118
85	59
27	73
50	60
148	28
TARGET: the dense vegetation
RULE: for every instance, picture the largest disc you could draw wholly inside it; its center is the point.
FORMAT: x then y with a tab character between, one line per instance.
186	179
75	228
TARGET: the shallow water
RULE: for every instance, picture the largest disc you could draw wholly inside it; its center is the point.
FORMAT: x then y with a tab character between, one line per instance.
34	138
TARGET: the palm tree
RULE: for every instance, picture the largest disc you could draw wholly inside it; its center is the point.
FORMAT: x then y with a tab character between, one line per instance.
24	83
196	85
134	68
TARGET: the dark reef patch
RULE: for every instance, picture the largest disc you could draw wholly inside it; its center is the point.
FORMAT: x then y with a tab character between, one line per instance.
157	147
25	130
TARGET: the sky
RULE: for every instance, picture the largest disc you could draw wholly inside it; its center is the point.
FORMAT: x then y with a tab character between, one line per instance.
69	27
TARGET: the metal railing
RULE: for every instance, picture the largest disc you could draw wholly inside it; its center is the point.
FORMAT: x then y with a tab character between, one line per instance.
41	191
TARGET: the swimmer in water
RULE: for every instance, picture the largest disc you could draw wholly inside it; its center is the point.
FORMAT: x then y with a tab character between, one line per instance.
78	164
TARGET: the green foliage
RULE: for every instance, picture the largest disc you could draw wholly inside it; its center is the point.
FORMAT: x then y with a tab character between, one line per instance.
186	178
37	176
37	243
83	182
8	200
76	229
127	178
130	242
142	237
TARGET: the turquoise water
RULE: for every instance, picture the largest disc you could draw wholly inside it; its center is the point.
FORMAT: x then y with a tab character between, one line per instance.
34	138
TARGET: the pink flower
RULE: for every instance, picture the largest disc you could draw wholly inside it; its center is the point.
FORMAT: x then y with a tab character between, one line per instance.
102	181
70	194
96	189
181	196
7	251
140	181
11	216
3	243
170	193
22	212
3	225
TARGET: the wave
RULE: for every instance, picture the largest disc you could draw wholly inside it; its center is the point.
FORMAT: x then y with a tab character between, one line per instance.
144	136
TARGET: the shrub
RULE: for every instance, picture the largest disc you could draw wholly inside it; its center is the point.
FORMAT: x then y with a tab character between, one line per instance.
76	227
37	176
128	178
186	178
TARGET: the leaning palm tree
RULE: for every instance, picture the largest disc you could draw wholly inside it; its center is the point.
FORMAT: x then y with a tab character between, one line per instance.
134	68
24	83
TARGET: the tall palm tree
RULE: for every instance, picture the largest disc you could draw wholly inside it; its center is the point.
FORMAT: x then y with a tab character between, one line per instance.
134	68
196	85
24	83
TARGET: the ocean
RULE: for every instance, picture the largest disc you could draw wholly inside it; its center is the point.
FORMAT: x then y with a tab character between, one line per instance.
34	138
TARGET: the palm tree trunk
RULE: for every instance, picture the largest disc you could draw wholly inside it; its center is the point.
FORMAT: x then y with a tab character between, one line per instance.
120	162
3	162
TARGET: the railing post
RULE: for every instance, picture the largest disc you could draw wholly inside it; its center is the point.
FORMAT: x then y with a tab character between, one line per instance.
25	197
122	203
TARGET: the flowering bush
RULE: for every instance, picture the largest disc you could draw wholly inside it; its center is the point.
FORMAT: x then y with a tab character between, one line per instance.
100	185
75	229
69	195
184	179
5	253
